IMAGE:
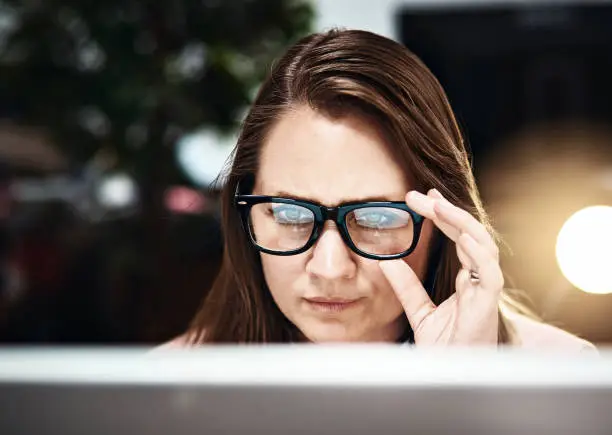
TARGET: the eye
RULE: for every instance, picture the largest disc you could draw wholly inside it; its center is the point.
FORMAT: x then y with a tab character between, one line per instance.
292	214
381	218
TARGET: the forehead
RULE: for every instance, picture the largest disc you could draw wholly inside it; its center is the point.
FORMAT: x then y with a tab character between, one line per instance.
329	160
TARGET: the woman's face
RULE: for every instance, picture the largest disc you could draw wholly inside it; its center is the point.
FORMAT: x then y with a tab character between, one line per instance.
329	292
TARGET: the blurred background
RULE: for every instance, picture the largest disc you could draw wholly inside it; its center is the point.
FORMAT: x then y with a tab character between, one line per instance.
116	117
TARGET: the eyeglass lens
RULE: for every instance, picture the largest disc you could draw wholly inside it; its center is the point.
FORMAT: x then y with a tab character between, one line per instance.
283	227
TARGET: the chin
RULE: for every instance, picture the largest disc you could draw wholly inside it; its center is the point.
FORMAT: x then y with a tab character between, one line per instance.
334	339
331	334
336	332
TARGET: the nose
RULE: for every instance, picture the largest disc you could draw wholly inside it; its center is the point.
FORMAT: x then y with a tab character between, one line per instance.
331	258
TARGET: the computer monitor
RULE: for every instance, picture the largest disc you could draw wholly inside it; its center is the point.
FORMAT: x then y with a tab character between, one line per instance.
303	389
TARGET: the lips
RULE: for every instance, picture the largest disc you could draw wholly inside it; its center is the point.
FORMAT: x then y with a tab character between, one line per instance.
331	305
322	300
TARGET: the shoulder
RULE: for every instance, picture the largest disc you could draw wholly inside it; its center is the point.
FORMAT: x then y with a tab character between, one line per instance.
530	333
181	342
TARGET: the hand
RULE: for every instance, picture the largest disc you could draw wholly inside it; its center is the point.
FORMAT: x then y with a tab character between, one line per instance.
470	315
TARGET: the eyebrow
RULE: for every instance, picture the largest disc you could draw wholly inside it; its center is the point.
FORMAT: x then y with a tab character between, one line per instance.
377	198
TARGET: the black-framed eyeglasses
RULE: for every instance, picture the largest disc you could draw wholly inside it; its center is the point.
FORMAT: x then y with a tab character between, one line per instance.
381	230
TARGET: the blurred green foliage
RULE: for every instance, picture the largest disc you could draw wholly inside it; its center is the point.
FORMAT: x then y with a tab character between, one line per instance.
127	79
131	76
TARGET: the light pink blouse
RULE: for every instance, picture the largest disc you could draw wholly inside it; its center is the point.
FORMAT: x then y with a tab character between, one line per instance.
528	333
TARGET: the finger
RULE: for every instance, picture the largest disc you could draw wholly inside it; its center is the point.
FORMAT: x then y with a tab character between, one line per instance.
463	222
409	291
487	267
463	258
434	193
424	206
463	282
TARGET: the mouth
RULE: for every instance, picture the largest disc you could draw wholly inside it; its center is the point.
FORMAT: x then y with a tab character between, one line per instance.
331	305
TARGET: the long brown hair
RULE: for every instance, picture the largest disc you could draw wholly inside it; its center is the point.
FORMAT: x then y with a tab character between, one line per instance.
339	72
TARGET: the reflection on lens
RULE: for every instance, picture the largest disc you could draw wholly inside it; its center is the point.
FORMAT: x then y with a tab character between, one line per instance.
381	230
281	227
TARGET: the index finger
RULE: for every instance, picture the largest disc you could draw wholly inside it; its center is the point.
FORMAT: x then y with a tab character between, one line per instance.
464	222
451	220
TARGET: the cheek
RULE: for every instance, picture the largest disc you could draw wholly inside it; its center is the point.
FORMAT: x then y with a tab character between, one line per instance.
282	273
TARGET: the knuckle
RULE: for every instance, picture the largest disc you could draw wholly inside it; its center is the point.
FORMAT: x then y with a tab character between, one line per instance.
493	264
498	279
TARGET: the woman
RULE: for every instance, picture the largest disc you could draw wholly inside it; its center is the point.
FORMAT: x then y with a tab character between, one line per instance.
351	213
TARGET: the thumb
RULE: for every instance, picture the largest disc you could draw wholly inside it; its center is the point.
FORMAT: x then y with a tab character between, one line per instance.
409	291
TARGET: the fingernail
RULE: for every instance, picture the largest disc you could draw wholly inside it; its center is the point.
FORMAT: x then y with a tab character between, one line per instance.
434	192
413	195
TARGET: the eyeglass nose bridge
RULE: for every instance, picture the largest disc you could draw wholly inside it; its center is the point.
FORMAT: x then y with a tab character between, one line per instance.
330	213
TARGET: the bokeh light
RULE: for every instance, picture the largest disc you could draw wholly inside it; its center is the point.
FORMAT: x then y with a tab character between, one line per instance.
117	191
583	249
